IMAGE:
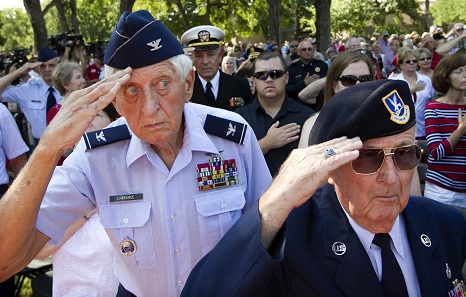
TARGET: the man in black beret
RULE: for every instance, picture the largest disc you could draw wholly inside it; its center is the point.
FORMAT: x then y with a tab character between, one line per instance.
168	178
36	96
360	234
212	87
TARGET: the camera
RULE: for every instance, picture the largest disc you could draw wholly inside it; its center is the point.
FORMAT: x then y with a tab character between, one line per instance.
59	42
18	57
96	49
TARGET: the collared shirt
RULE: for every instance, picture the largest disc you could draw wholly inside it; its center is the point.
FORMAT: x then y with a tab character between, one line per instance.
422	97
11	143
32	98
174	224
290	112
298	71
400	248
215	83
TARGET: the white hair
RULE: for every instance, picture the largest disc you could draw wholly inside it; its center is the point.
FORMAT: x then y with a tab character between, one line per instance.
181	63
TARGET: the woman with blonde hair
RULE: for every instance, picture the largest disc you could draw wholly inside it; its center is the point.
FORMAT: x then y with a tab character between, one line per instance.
229	65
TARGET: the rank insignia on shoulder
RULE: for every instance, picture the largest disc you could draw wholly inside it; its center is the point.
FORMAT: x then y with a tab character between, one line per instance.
217	173
224	128
458	289
236	101
106	136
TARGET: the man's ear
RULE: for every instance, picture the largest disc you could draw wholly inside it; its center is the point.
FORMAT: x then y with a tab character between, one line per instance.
189	85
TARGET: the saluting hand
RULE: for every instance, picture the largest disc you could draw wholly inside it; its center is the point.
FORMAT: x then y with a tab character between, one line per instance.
71	122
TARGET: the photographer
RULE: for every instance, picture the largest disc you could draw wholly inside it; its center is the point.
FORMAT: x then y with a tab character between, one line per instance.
74	50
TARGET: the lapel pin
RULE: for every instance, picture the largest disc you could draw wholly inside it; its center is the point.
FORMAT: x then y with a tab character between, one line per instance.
339	248
426	240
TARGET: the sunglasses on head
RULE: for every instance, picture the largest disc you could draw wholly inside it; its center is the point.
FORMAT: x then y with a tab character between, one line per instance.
351	80
425	59
274	74
370	160
410	61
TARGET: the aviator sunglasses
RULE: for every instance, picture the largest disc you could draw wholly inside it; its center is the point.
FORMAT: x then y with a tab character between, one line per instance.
274	74
350	80
370	160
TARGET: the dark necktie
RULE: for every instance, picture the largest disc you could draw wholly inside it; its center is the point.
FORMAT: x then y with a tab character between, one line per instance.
393	282
51	101
209	94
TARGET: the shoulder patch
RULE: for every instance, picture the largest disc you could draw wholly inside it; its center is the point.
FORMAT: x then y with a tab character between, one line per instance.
106	136
225	128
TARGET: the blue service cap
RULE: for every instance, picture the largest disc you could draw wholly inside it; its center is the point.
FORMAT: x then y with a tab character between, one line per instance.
139	40
369	110
46	53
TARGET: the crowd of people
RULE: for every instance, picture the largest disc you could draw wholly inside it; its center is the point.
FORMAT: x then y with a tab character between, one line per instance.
196	167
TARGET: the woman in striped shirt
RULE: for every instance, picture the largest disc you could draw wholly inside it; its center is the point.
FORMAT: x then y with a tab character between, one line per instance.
445	121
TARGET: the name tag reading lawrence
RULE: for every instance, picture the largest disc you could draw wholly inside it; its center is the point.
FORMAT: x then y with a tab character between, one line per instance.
126	198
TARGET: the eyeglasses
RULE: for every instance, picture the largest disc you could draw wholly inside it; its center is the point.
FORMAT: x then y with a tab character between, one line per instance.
293	45
264	75
370	160
460	29
309	49
425	59
351	80
459	71
355	46
410	61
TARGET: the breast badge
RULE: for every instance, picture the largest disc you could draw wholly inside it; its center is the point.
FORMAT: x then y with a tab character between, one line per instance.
127	247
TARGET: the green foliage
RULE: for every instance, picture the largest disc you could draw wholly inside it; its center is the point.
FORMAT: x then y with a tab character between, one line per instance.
445	12
16	30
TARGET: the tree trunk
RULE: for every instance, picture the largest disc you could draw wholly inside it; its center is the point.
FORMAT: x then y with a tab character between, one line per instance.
61	16
126	5
274	20
36	17
323	23
74	17
184	17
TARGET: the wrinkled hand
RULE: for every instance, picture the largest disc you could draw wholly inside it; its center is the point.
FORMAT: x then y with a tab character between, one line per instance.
310	78
280	136
80	108
307	169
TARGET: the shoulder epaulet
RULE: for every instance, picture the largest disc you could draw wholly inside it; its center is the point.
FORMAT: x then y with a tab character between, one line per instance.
106	136
225	128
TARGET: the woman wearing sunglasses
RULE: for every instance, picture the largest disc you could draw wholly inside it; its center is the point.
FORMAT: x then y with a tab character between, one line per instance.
420	86
446	139
346	70
424	62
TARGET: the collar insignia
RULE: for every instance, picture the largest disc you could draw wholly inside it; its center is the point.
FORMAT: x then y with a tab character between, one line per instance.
155	45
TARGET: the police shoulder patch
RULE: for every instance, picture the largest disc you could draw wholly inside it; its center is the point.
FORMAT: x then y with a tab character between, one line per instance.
225	128
106	136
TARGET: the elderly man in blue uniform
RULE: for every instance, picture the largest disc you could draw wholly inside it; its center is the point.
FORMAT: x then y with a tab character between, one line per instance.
305	70
212	87
275	118
169	178
36	96
360	234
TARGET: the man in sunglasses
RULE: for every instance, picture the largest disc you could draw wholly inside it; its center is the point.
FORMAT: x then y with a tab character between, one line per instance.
275	118
359	235
305	70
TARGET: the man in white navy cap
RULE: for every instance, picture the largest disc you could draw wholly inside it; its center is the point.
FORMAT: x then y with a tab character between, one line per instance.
213	87
169	178
361	234
36	96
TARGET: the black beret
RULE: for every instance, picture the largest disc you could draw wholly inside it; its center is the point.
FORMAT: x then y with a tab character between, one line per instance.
46	53
368	110
139	40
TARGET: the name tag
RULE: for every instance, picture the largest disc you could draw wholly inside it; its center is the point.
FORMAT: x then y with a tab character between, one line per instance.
126	198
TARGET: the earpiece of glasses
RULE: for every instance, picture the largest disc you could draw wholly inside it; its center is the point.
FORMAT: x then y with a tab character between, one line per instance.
370	160
351	80
273	74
